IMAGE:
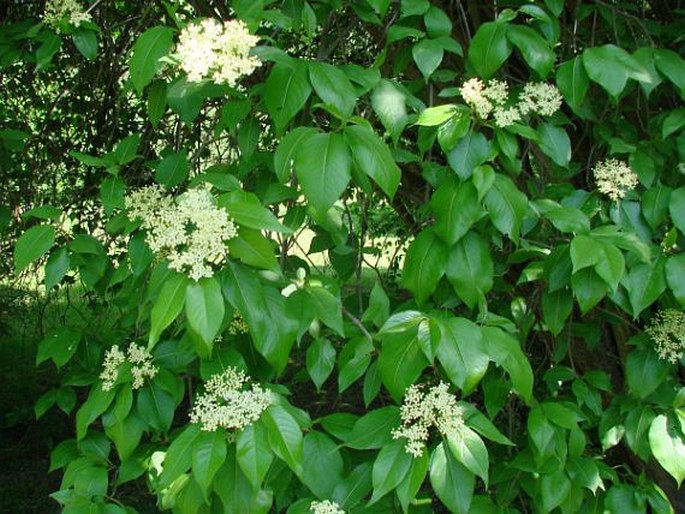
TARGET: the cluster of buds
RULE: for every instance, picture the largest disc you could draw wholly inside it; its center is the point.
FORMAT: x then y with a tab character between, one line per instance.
227	403
493	99
614	178
667	330
217	51
325	507
189	231
139	359
60	12
420	411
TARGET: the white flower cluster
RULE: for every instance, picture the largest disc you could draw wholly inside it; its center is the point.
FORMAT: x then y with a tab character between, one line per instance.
325	507
420	411
141	366
226	403
215	50
238	325
614	178
667	330
60	11
190	232
536	97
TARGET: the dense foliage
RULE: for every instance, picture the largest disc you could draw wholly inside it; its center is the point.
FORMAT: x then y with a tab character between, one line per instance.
368	256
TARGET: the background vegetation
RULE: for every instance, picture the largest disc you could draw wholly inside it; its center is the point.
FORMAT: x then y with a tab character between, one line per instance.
435	246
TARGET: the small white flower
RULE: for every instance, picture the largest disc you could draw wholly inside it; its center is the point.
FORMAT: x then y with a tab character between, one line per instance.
141	366
226	403
505	116
472	91
420	411
215	50
539	97
614	178
325	507
189	232
58	11
667	330
114	358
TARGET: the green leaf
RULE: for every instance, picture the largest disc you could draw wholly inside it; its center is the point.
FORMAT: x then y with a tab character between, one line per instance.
433	116
389	104
489	48
288	148
671	65
645	284
322	164
167	306
555	143
285	92
585	252
378	310
59	346
452	482
401	361
506	352
556	308
323	464
676	207
353	362
51	44
173	169
610	66
645	372
668	446
156	407
407	489
179	456
328	307
588	288
457	208
506	206
470	152
98	402
533	47
285	437
675	276
481	424
438	24
554	488
569	220
573	82
373	430
112	191
254	453
56	267
246	210
424	265
151	46
470	269
205	308
251	247
320	361
32	245
469	449
333	86
389	469
209	454
460	352
126	150
86	41
428	54
372	156
156	102
125	433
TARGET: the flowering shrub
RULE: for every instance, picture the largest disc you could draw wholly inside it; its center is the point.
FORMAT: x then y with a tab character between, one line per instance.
528	159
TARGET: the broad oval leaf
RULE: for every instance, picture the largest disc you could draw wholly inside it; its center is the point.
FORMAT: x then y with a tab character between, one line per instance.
32	245
151	46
